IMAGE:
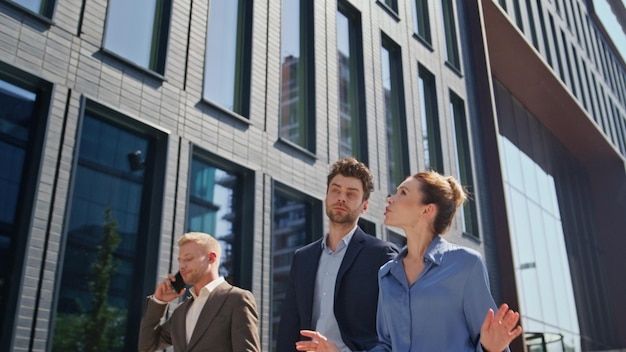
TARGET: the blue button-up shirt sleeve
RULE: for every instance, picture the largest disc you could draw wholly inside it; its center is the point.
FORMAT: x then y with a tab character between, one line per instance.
477	300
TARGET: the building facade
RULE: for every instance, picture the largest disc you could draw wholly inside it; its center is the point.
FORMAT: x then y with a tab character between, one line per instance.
124	124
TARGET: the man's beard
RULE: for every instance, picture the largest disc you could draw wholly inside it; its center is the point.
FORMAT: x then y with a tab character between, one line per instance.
346	218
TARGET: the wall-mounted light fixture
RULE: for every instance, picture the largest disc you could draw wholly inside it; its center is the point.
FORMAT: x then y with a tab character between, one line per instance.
135	161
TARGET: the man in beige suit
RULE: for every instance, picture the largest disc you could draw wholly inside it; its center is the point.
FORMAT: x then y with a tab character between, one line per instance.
218	317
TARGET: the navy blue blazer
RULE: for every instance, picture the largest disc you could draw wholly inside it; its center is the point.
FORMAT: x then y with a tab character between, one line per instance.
356	292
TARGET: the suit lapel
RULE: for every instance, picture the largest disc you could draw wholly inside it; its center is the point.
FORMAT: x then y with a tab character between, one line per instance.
214	303
354	247
308	273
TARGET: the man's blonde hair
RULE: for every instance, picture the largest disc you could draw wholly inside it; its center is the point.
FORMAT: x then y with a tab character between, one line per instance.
206	241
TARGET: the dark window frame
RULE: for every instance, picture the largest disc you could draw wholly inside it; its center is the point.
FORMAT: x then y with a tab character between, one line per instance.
464	161
422	29
243	64
150	220
357	70
433	123
391	7
314	226
25	204
160	41
244	206
306	81
45	15
453	54
398	107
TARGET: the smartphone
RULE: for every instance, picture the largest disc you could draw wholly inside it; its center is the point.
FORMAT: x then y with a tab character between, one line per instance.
179	284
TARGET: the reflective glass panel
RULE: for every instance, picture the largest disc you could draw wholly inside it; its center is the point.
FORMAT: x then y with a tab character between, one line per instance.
223	54
422	20
291	229
429	116
293	112
449	28
104	240
42	7
212	194
539	252
394	115
349	56
17	121
132	30
468	212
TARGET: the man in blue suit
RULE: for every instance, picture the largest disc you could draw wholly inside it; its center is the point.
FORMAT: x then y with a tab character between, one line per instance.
333	282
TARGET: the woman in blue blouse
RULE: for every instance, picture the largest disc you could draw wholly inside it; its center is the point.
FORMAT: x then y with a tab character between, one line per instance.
434	295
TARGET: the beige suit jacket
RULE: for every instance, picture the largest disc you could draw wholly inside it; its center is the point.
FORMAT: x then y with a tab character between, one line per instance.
228	322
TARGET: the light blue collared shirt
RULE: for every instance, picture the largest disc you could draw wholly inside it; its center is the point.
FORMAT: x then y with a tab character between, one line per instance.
443	310
324	295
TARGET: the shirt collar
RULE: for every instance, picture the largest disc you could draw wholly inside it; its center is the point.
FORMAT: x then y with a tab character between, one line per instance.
434	252
206	290
344	241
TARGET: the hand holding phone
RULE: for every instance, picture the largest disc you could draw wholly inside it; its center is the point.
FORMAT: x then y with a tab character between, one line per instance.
179	284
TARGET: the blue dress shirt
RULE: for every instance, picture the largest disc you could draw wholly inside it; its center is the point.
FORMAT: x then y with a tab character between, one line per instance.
324	294
444	308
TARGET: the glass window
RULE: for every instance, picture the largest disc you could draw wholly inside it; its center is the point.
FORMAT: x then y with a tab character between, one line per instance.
568	63
464	163
503	4
215	207
557	50
137	31
296	221
392	4
104	264
449	28
544	33
422	20
297	93
518	15
228	55
22	120
395	116
429	116
532	25
41	7
543	279
367	226
352	116
396	238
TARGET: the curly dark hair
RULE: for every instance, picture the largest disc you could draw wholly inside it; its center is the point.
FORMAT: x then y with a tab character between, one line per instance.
350	167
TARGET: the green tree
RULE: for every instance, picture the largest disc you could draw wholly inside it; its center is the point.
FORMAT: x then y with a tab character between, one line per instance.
103	269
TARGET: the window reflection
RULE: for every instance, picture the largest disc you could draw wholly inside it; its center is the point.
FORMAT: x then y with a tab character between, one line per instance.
397	168
17	123
227	56
392	4
350	80
105	207
136	30
468	212
396	238
539	253
422	20
429	117
292	228
297	82
449	28
212	195
42	7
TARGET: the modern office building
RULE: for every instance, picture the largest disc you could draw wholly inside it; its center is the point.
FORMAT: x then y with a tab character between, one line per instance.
125	123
